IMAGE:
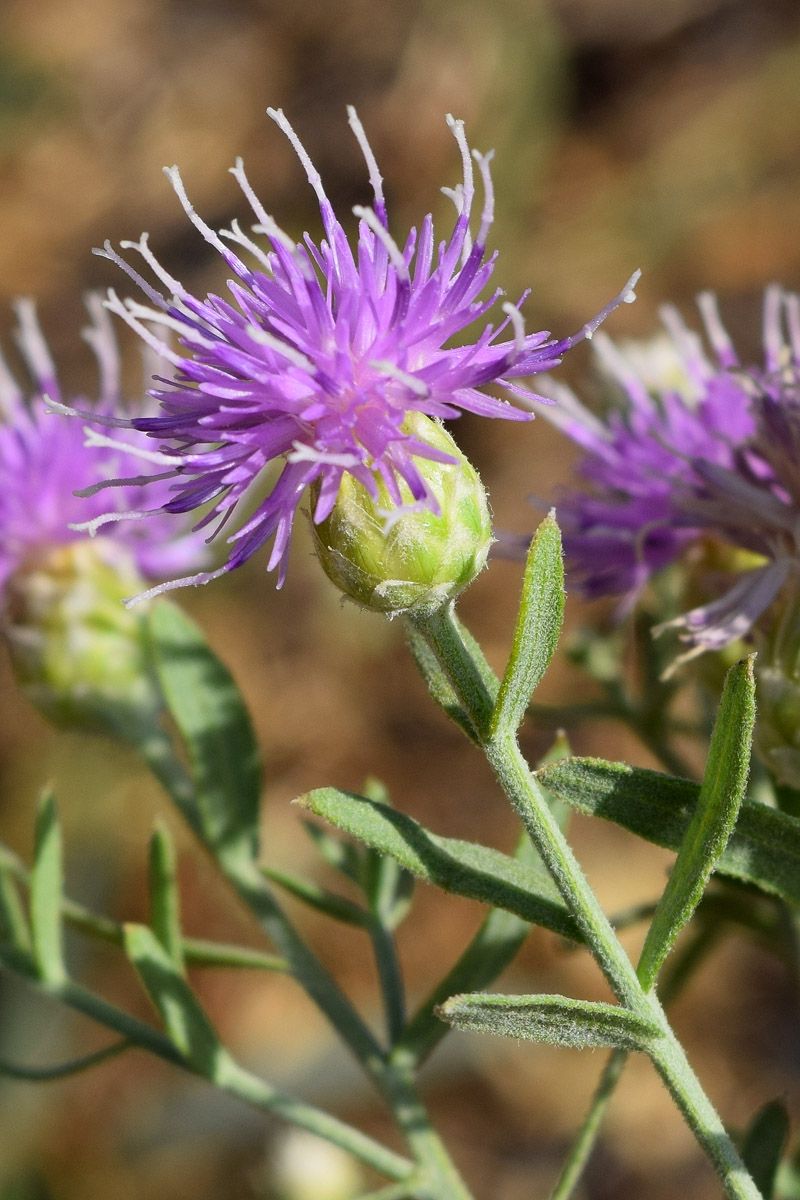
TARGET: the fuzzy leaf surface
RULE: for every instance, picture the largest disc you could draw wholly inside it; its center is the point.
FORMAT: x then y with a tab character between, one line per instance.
465	868
556	1020
764	848
713	821
538	626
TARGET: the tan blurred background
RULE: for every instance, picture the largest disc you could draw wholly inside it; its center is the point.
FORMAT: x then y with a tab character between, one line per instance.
663	135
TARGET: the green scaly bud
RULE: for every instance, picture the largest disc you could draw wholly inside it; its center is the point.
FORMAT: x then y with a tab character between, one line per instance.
420	561
78	654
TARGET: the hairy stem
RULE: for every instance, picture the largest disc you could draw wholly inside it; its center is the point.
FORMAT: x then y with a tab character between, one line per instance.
466	670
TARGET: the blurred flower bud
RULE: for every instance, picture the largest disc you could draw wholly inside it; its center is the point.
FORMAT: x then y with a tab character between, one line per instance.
78	654
307	1168
409	559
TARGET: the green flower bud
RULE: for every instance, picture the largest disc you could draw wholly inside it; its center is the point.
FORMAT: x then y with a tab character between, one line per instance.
78	654
421	561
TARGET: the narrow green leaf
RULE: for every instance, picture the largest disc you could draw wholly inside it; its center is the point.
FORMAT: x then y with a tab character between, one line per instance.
764	849
541	612
319	898
216	728
165	918
185	1022
388	887
721	795
13	922
47	880
341	855
493	947
198	952
74	1067
764	1144
557	1020
465	868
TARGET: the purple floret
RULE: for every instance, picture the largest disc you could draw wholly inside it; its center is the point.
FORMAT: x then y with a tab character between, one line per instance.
715	455
45	459
321	352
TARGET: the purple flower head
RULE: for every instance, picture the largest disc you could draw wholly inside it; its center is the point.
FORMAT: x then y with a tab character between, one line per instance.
703	447
320	354
44	460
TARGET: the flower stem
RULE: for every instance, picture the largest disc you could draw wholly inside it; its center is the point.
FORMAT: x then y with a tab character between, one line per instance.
467	670
394	1083
584	1143
575	1163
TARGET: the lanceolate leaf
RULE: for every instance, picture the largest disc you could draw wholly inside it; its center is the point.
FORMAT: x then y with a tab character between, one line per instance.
541	611
13	922
764	848
187	1025
557	1020
216	728
464	868
721	795
319	898
47	881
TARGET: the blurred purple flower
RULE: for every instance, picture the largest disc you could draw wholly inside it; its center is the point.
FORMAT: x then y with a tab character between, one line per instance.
323	353
44	460
703	447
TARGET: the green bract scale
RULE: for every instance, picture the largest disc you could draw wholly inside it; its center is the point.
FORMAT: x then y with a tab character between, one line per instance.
79	655
421	560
